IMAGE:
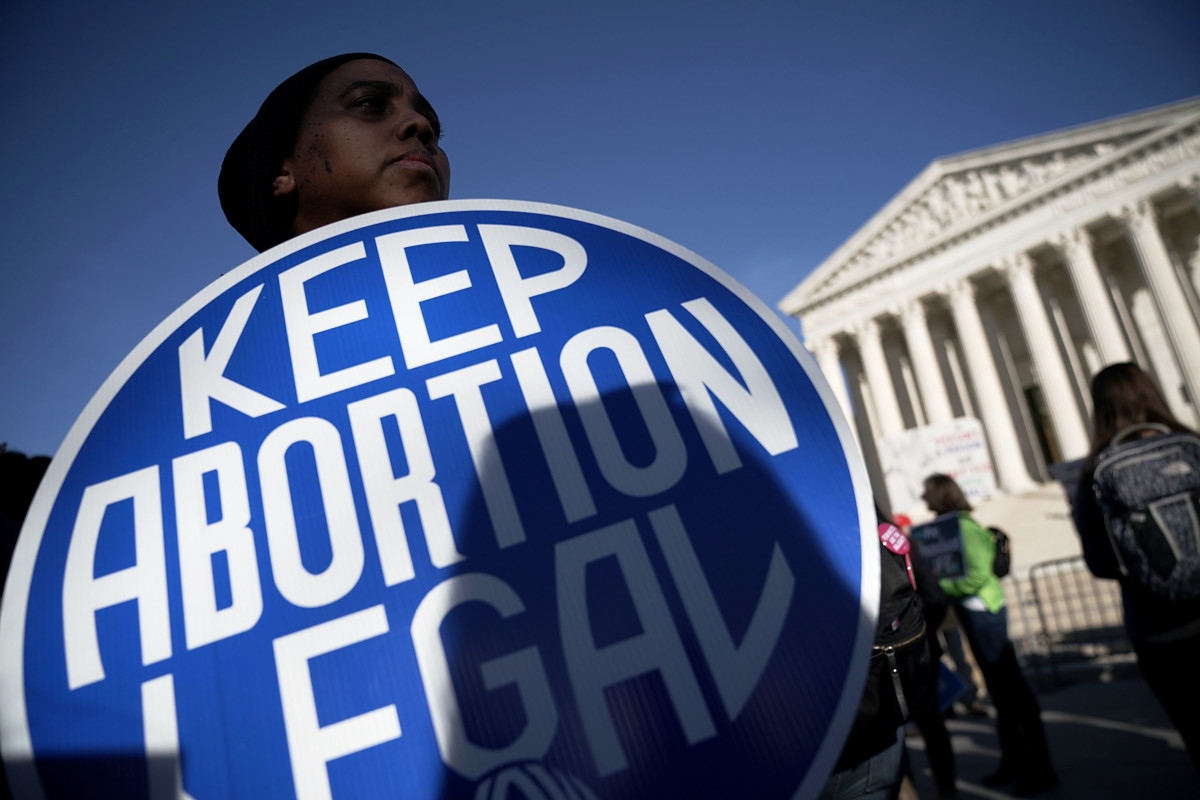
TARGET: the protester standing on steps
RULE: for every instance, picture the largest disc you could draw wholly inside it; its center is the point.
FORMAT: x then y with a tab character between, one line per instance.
979	603
1165	632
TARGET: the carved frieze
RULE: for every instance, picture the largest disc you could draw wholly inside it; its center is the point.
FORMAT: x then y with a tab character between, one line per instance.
1163	154
947	208
961	196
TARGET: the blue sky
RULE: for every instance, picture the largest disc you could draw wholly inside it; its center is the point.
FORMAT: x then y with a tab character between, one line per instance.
758	134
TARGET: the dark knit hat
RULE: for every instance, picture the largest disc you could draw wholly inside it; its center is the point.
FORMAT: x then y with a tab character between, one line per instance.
253	161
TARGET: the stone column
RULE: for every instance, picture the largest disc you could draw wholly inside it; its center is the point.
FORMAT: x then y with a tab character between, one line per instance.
925	362
879	378
993	410
1075	247
1191	185
1177	319
1047	362
826	351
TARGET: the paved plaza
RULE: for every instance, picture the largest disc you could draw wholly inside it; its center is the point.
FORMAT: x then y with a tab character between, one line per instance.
1108	739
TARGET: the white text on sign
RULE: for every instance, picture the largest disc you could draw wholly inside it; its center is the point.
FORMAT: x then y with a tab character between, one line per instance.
719	378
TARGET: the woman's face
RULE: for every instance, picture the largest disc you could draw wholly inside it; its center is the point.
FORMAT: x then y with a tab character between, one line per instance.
368	141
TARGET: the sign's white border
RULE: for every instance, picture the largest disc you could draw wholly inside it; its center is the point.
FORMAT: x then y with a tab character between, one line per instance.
16	745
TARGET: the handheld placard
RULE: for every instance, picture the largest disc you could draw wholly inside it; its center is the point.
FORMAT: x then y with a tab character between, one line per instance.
471	499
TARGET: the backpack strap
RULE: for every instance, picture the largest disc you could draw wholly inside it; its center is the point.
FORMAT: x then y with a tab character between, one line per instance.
1127	433
889	652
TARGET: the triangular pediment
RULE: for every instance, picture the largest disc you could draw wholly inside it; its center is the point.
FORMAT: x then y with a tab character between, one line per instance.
955	192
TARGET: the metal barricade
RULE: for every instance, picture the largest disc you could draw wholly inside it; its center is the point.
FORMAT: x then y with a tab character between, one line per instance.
1080	620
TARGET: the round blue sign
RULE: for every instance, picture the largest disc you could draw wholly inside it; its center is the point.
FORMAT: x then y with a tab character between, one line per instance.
474	499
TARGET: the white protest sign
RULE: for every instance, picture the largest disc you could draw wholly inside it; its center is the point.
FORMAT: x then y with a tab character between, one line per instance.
956	448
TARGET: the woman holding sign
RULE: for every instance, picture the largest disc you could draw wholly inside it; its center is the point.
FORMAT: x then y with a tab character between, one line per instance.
275	568
1024	755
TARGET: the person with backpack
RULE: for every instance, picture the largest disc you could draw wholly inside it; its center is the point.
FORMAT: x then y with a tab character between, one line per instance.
979	604
1136	510
901	682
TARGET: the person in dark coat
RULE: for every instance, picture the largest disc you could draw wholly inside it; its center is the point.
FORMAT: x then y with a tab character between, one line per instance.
873	760
1164	633
19	479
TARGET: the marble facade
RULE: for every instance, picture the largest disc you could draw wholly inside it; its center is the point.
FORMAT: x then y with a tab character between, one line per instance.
1000	280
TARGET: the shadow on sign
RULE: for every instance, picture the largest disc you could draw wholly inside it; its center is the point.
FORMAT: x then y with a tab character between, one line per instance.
602	656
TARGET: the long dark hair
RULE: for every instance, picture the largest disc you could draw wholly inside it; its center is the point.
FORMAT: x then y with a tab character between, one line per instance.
943	494
1123	395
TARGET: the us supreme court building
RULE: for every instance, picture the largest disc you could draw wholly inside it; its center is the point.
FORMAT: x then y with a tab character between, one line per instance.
999	281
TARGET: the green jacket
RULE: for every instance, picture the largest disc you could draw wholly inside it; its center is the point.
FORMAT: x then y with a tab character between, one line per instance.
979	551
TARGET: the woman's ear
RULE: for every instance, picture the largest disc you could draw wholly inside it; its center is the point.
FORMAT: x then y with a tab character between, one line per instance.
285	183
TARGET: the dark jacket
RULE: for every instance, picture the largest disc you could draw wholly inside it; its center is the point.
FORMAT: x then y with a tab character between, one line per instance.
901	618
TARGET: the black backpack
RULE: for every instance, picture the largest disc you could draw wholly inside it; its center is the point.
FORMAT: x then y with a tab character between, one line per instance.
1149	490
900	648
901	677
1003	563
